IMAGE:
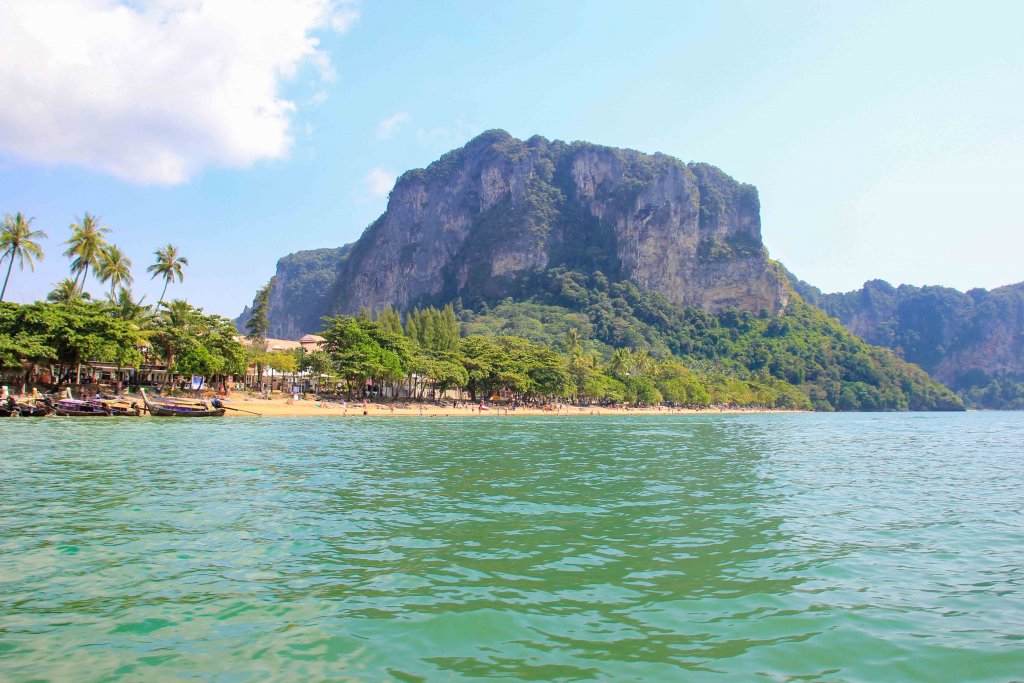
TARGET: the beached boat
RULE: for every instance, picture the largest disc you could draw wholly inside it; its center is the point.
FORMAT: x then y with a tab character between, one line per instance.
40	409
178	408
12	408
73	407
119	407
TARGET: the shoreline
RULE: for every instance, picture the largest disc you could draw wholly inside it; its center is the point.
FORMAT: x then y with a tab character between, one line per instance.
282	408
286	407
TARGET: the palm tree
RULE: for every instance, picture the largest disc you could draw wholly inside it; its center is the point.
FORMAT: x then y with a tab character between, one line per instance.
175	320
573	342
621	363
168	265
125	307
66	291
642	362
17	241
114	267
138	316
85	246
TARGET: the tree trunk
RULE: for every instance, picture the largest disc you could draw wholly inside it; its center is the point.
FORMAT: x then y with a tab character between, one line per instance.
9	266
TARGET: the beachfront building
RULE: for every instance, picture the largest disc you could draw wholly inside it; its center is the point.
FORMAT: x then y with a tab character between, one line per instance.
273	380
110	374
312	342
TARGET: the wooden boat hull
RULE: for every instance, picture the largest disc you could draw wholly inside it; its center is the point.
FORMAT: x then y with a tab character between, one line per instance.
121	409
73	407
37	411
159	409
71	412
125	412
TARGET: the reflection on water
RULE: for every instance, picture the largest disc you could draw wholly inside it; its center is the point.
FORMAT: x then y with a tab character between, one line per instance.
826	547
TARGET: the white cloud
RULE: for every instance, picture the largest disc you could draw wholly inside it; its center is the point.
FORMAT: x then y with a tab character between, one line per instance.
154	91
345	17
380	182
387	127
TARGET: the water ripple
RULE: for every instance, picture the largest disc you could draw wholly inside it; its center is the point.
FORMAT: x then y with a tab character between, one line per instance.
811	547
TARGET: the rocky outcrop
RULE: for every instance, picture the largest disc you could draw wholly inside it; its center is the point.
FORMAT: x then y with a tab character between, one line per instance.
953	335
476	221
304	286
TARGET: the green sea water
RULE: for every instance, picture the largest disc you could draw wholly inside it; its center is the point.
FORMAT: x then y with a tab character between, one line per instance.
884	547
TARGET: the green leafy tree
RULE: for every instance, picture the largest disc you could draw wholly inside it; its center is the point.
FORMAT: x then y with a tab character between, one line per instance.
175	330
75	332
257	356
389	320
354	354
20	341
193	343
445	370
258	323
318	364
282	361
18	242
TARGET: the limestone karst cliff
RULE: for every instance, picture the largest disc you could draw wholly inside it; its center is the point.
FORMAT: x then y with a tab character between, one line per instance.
473	223
972	341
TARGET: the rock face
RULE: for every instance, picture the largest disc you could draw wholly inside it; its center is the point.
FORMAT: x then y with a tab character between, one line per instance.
303	288
953	335
479	219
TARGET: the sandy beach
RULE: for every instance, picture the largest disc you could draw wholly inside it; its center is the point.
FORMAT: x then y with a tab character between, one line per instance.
283	407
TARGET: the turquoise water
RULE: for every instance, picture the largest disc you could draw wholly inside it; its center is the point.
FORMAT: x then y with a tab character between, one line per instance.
725	548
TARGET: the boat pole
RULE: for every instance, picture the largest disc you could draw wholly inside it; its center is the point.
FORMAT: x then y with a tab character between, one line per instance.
242	411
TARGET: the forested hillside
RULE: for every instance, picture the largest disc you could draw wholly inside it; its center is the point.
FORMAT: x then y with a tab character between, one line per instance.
973	341
803	347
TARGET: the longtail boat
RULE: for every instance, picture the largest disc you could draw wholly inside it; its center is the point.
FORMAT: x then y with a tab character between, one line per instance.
11	408
73	407
40	409
171	408
119	407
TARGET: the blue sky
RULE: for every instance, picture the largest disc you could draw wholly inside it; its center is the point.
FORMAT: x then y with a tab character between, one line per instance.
885	138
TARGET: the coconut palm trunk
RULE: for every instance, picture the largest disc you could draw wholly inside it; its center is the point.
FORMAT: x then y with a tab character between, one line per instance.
9	266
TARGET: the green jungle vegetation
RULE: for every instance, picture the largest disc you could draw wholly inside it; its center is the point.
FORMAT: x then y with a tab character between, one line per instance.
591	341
803	348
929	324
999	391
70	328
625	346
429	345
120	331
